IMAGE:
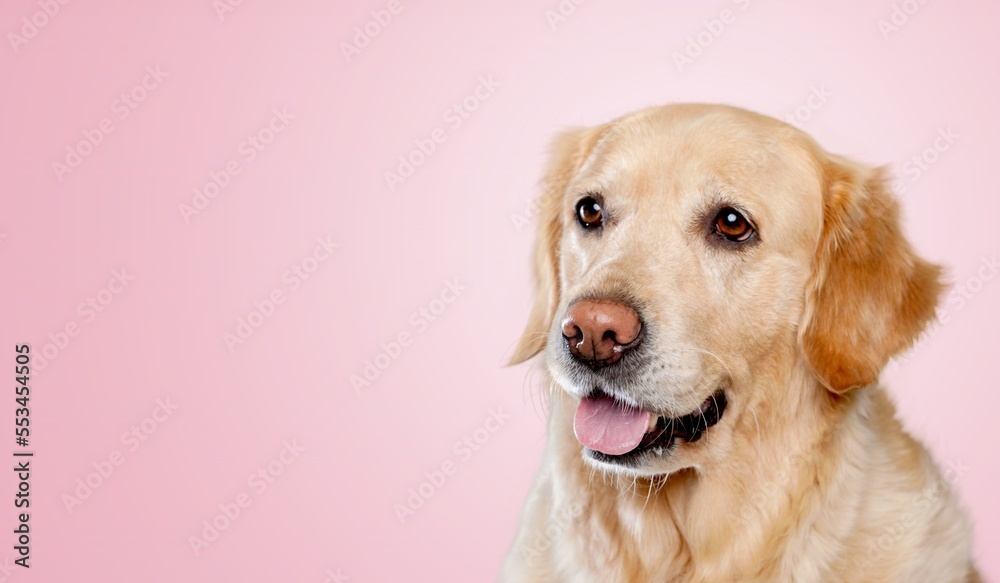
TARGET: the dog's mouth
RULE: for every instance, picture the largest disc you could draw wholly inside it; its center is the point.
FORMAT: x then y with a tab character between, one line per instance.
615	432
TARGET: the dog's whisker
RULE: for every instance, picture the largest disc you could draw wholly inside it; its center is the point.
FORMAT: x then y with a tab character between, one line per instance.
729	371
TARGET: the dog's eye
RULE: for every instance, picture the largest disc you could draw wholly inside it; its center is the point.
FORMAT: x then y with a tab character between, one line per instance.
589	213
732	225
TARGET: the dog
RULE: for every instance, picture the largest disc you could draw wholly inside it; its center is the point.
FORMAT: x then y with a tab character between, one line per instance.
715	298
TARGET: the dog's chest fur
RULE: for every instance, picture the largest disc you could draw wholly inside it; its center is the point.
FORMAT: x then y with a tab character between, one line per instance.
829	515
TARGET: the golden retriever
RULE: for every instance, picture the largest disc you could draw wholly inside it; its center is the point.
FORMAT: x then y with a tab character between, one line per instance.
716	296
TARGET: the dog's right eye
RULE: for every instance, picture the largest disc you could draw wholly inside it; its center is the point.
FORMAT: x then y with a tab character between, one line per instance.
731	224
589	213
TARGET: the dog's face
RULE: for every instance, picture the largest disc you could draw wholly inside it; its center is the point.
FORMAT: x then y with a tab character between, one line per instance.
687	253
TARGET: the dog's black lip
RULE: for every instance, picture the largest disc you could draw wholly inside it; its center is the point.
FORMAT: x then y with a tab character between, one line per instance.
689	428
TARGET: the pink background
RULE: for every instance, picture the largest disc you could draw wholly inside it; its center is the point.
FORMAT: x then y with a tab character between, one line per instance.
464	213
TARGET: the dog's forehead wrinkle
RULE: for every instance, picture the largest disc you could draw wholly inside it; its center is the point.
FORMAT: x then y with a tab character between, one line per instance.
593	263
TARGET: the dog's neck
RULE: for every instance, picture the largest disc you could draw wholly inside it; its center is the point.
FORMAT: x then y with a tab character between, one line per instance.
697	520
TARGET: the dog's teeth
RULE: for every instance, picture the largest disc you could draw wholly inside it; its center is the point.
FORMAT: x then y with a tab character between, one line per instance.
653	420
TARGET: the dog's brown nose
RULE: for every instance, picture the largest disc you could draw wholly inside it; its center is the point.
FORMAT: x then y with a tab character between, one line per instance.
599	331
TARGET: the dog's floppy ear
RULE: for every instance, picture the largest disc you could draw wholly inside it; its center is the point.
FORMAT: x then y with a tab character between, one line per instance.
568	153
870	295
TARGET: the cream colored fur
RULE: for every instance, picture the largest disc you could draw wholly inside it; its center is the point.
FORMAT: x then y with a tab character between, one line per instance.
808	477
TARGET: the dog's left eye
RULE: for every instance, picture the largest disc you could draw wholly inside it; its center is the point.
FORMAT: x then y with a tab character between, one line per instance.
732	225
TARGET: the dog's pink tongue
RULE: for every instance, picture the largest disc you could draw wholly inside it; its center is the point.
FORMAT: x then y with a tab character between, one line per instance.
604	425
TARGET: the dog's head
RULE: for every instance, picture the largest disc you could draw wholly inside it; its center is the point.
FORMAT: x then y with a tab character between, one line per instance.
689	255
